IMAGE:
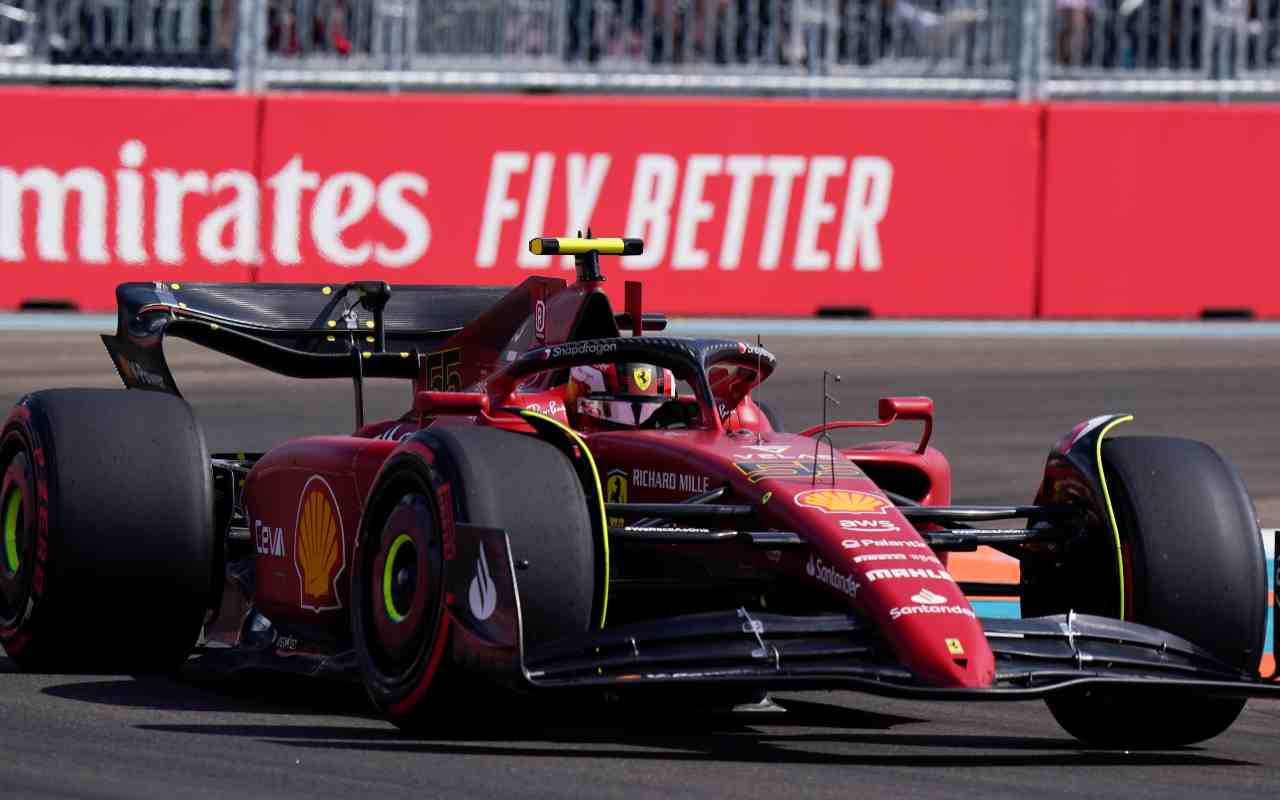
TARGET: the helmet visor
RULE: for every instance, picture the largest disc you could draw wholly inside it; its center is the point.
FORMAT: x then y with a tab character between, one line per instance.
628	412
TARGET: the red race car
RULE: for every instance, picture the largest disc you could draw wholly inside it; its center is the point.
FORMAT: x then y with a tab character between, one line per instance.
570	503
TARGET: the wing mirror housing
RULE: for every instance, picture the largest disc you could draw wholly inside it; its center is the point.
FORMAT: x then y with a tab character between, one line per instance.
892	409
889	410
437	404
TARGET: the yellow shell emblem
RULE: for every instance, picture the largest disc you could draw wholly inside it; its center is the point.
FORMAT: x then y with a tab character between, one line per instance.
319	548
842	501
643	377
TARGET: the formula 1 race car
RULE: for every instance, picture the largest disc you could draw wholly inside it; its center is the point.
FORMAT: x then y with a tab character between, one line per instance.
565	507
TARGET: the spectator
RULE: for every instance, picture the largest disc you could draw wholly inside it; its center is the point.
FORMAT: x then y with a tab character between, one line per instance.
326	31
1074	21
875	30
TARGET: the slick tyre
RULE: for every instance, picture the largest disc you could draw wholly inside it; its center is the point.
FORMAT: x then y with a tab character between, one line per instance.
492	478
400	627
106	531
1194	566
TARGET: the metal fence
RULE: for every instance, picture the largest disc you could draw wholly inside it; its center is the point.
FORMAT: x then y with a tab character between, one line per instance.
690	45
1163	47
1024	48
150	41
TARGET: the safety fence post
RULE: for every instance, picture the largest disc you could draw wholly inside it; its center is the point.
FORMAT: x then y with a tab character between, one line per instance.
1031	68
394	31
250	45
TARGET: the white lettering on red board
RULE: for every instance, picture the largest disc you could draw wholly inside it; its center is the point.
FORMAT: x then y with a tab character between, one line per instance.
817	212
672	203
229	233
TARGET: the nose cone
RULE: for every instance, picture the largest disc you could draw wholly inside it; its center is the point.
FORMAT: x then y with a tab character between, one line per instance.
946	652
930	625
925	618
866	553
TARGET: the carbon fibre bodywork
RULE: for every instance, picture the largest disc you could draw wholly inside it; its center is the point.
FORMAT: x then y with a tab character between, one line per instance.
1035	657
730	553
304	331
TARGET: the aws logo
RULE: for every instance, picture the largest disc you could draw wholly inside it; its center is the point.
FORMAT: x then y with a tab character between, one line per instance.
319	547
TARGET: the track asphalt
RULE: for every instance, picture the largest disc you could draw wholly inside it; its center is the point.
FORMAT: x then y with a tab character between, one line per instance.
1000	403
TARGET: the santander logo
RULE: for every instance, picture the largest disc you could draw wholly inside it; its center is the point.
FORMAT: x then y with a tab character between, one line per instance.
143	212
927	598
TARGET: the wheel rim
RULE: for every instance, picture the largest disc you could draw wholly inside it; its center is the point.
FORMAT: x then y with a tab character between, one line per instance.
402	600
399	578
16	537
12	523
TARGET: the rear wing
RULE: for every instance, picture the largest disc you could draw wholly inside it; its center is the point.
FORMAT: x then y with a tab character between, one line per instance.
357	330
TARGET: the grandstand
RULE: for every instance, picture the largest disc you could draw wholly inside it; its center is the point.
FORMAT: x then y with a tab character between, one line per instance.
1032	50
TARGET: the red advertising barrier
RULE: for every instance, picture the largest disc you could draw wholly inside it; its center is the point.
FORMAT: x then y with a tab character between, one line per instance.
1160	210
99	186
748	206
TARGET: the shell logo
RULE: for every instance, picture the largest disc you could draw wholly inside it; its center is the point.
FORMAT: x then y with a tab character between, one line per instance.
319	547
842	501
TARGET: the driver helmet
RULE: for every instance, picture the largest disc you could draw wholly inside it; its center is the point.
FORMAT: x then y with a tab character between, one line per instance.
616	396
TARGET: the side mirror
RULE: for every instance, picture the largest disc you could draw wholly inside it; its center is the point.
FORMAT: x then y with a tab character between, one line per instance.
895	408
892	409
434	404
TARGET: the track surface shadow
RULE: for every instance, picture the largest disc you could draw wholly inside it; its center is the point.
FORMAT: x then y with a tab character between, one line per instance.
701	740
805	734
266	694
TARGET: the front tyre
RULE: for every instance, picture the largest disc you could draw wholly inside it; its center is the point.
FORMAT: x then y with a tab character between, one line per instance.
481	476
398	619
1194	566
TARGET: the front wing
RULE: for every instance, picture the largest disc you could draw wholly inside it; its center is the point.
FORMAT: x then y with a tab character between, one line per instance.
1034	657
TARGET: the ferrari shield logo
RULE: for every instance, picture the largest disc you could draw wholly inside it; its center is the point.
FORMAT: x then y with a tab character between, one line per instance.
643	377
615	490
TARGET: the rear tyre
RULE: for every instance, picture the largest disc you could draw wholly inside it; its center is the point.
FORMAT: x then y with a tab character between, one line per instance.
494	478
1195	567
106	524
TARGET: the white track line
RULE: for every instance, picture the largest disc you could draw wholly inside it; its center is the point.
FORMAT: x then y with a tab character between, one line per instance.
748	327
968	329
58	322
